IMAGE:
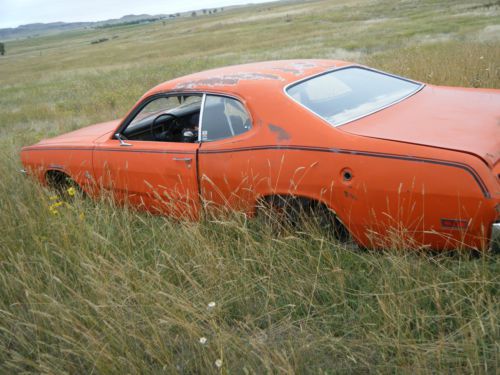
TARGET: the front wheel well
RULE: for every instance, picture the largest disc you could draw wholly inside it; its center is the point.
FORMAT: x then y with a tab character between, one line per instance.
59	180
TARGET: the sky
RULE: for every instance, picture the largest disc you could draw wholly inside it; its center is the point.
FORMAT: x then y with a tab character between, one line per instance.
19	12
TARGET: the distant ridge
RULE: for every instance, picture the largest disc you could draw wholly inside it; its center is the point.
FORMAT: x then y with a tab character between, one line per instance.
35	29
39	29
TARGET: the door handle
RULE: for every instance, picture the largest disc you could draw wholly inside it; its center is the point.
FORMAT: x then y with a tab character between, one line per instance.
182	159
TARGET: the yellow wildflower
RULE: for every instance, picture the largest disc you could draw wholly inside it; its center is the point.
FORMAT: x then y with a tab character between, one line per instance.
53	208
71	191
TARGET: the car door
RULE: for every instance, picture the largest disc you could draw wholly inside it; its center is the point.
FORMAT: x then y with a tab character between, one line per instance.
225	175
149	172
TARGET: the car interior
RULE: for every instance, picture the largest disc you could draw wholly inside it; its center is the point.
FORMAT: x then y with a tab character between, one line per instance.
167	124
176	119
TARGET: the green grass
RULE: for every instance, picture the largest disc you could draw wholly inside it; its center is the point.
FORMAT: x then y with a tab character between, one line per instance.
103	289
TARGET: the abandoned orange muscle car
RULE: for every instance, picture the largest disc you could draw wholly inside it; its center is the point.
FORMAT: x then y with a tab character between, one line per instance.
384	154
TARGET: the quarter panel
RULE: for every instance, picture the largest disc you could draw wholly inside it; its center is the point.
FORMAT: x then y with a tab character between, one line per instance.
387	202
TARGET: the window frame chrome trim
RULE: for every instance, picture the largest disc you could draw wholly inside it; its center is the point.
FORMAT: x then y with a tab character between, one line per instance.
202	111
290	85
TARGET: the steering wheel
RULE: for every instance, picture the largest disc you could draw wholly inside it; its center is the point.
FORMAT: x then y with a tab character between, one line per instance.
163	131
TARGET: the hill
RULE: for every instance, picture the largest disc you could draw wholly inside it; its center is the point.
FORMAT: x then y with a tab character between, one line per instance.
51	28
40	29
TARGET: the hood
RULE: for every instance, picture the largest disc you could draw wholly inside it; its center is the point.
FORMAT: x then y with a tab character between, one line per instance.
84	135
461	119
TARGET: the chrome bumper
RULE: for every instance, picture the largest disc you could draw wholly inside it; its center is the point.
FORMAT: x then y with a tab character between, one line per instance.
495	238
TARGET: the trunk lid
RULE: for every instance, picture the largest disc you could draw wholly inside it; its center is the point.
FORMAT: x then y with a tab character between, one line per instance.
466	120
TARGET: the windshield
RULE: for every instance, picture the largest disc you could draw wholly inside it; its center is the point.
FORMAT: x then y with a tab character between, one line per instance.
347	94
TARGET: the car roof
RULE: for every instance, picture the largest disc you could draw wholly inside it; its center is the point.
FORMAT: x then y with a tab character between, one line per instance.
244	79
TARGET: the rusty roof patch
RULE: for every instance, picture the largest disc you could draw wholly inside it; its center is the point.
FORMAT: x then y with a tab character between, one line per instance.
228	80
297	68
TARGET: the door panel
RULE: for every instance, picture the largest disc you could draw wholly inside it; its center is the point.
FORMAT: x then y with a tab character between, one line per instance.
226	179
157	176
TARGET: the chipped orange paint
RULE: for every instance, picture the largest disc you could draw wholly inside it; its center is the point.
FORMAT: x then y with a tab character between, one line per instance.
397	173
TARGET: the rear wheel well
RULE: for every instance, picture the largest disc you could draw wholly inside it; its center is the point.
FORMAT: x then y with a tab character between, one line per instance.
295	210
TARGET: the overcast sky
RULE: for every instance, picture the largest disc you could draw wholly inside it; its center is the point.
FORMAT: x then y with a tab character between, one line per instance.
19	12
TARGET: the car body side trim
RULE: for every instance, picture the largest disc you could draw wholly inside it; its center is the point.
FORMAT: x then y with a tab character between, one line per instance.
55	148
410	158
418	159
143	151
111	149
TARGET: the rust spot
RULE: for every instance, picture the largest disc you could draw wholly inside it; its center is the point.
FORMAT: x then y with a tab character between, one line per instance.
228	80
350	195
282	134
297	68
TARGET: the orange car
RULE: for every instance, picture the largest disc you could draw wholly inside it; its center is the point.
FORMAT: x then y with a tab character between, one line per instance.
388	156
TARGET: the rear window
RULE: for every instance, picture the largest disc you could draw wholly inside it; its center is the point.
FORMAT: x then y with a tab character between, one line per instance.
347	94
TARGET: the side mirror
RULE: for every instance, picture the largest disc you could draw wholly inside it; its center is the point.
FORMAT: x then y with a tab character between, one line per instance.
122	142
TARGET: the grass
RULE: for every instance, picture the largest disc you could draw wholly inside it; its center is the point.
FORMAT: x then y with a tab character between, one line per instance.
101	289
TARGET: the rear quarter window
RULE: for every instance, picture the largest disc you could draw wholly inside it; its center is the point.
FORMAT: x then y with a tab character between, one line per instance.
223	118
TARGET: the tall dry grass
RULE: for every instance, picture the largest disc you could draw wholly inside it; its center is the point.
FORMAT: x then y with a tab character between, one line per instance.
102	289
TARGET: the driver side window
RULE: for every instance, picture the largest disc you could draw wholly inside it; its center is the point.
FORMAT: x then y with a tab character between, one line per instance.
173	118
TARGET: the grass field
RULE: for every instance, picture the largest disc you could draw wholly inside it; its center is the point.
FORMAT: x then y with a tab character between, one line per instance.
99	289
